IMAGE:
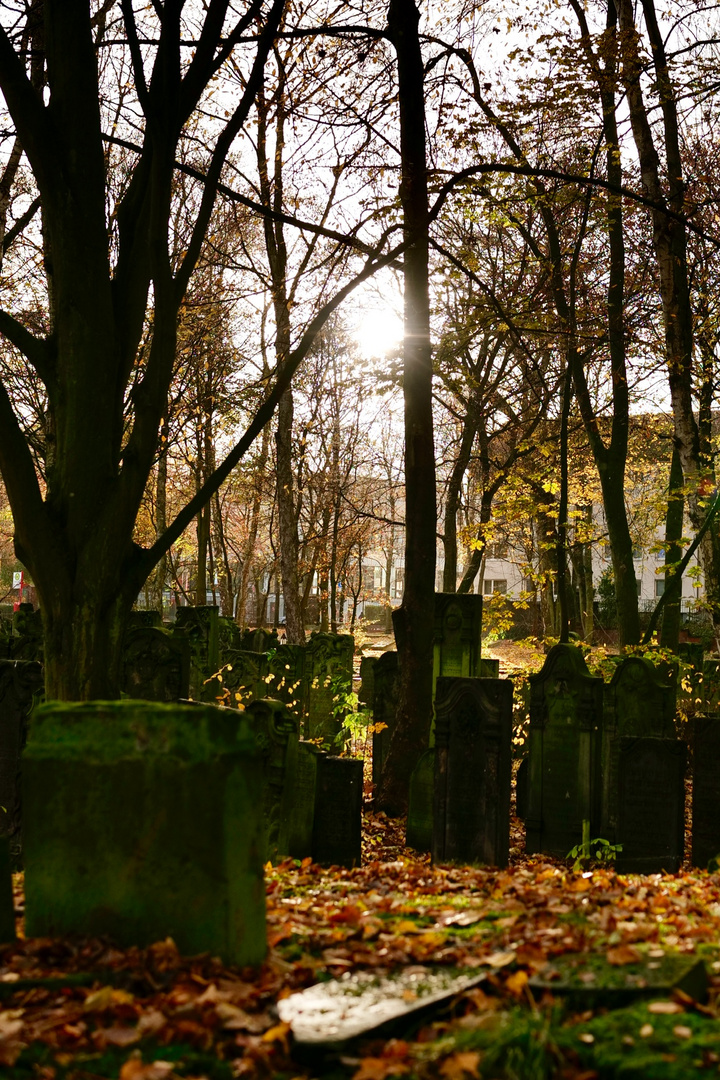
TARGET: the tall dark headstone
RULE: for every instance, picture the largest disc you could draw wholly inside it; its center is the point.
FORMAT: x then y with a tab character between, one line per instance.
229	637
259	640
473	767
457	637
328	678
706	790
7	907
419	833
366	693
287	666
521	789
201	626
384	708
21	685
156	665
651	805
640	701
140	618
297	809
275	728
564	753
337	828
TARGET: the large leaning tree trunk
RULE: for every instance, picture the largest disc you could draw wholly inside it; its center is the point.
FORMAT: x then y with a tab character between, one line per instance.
76	536
414	618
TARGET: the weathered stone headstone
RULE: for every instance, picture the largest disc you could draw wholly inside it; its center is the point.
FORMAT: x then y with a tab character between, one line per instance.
488	668
229	637
473	770
328	678
564	753
275	728
245	676
639	701
287	666
201	626
143	821
521	789
384	708
362	1003
651	805
420	803
337	828
156	665
592	982
21	685
366	693
28	639
259	640
7	909
297	809
706	790
457	637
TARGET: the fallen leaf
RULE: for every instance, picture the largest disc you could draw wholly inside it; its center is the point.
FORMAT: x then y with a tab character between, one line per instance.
516	982
682	1031
646	1031
372	1068
499	959
665	1008
460	1064
135	1069
623	954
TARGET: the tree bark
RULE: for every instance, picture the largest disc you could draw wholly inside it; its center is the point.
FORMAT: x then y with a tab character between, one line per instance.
415	617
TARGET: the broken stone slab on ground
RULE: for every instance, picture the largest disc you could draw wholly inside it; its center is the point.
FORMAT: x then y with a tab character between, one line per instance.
330	1014
588	981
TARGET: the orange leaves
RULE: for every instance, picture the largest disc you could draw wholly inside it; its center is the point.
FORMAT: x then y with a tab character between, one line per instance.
460	1066
392	1062
621	955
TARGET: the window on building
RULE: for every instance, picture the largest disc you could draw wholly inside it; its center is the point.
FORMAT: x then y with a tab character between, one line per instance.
494	585
399	582
639	588
498	549
659	586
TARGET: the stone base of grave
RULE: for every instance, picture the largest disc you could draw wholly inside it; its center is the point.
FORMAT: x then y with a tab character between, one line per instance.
142	822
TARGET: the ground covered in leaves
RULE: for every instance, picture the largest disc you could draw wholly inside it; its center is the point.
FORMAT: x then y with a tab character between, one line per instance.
85	1009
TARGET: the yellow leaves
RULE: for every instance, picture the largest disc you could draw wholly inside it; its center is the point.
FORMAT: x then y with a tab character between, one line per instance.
106	998
579	884
134	1069
516	982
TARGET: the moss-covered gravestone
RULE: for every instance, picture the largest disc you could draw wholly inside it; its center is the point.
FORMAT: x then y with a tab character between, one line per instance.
457	636
21	685
201	626
275	729
143	821
140	618
521	789
473	766
639	701
564	753
706	790
286	664
229	637
297	809
28	642
156	665
328	679
385	678
419	833
259	640
651	805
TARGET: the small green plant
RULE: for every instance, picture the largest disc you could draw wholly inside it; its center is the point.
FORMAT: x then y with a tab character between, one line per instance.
354	721
599	850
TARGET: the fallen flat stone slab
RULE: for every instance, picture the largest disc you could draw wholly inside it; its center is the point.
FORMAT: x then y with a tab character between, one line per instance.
587	980
327	1015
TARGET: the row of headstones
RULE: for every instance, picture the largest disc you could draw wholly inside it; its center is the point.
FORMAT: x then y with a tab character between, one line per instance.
207	658
608	755
144	820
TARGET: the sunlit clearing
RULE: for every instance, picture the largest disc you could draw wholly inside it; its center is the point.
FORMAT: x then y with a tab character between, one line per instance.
378	332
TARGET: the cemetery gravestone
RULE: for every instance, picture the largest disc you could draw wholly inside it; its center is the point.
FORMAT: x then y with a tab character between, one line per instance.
156	665
245	676
458	630
521	789
201	626
259	640
21	684
28	641
473	766
384	708
286	664
706	790
651	805
297	809
420	803
640	700
144	821
140	618
337	827
328	678
274	728
366	693
7	907
564	753
229	638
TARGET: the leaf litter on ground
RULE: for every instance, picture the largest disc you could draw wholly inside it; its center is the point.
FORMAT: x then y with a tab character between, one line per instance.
84	1009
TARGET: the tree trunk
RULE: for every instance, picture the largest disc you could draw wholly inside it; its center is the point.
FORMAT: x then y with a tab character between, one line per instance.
415	617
